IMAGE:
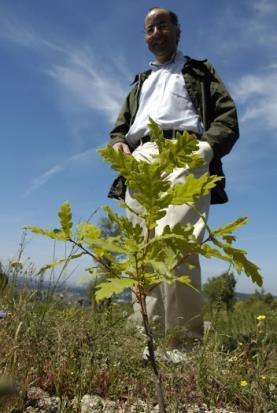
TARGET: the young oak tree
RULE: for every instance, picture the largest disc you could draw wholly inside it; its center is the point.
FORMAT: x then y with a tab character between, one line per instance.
144	260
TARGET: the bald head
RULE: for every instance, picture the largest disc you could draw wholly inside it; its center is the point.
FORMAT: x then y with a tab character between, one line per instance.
173	17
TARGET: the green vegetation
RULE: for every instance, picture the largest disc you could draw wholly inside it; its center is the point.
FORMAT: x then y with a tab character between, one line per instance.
146	260
220	291
69	350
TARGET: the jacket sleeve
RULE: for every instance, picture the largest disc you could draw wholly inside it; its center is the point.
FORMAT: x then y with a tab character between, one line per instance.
122	123
220	115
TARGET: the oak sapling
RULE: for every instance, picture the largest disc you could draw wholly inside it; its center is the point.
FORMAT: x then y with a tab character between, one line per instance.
145	261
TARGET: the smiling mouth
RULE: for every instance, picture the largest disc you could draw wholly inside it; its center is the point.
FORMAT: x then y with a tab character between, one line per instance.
159	44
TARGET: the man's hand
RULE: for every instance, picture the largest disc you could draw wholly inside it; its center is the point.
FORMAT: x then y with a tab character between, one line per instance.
123	147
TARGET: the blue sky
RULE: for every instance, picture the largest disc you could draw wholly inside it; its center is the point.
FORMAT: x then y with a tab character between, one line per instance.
65	69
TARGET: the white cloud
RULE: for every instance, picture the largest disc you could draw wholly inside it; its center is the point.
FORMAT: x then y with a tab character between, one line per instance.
13	31
83	79
249	28
80	78
42	179
82	156
91	88
261	33
265	7
86	83
258	96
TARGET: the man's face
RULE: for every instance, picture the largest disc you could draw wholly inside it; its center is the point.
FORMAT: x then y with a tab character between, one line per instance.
161	35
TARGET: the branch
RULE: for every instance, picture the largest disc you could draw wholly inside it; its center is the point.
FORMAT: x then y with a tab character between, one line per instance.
99	260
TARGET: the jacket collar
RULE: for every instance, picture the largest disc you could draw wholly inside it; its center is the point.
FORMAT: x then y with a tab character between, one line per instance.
141	76
195	66
191	64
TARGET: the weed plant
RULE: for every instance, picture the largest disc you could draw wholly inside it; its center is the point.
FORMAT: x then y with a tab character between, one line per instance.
69	350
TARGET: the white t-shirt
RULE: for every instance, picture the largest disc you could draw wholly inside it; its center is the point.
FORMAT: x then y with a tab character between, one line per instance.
165	99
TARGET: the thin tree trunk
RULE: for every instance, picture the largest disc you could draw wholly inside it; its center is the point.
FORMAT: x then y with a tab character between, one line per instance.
151	349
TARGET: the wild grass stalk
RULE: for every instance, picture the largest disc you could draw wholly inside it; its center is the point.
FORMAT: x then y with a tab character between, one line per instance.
74	350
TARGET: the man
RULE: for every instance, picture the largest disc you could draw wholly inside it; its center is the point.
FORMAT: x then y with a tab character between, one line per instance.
179	93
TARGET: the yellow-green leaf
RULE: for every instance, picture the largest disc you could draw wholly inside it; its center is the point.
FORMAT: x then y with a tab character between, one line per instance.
88	232
243	264
119	161
65	216
208	252
60	262
112	286
193	188
56	234
185	279
227	229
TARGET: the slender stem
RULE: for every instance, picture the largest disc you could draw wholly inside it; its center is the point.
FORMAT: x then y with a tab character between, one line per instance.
141	298
210	237
183	258
151	347
102	262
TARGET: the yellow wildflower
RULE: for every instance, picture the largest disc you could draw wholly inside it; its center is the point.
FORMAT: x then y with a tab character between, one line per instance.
263	377
261	317
244	383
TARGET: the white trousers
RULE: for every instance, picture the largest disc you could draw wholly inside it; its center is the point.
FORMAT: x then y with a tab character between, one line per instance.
175	306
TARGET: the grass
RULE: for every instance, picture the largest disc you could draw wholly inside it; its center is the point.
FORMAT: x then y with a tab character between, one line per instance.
69	350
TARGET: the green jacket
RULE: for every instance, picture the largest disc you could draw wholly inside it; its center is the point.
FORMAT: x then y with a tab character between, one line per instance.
213	104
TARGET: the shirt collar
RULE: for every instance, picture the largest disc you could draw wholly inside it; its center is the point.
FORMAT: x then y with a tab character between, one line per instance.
178	57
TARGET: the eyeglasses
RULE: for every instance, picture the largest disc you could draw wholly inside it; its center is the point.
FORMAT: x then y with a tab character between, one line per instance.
161	26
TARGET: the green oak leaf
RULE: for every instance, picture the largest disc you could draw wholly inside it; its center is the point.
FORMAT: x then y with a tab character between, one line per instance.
56	234
119	161
241	263
227	229
209	252
88	232
193	188
124	224
65	216
60	262
112	286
